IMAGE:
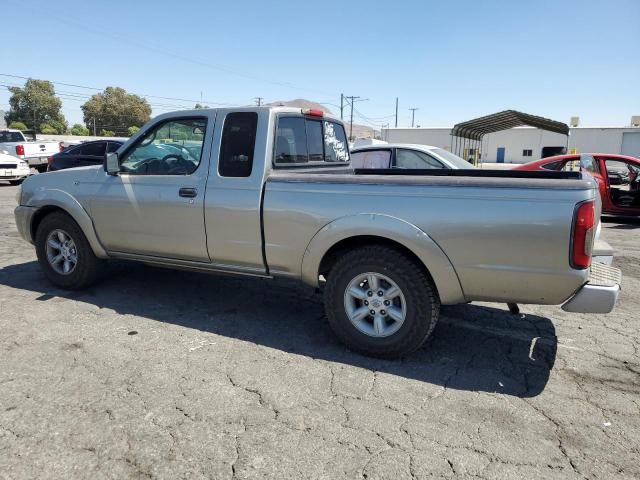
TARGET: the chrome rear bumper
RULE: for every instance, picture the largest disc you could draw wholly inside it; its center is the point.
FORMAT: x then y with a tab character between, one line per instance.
599	294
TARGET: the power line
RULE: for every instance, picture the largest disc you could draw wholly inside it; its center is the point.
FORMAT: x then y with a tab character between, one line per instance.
83	98
351	102
161	50
134	93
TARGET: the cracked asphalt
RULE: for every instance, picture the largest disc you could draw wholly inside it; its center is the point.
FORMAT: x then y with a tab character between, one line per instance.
162	374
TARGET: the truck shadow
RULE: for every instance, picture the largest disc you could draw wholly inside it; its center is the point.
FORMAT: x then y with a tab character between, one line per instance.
474	348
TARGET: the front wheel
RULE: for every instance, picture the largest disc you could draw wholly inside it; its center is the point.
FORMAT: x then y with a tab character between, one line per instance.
381	302
16	182
65	254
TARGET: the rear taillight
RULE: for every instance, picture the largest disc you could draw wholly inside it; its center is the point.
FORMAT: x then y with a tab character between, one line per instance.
584	219
49	160
60	146
19	149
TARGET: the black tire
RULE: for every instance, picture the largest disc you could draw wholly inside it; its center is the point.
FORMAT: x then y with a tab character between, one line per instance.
422	302
88	269
16	182
42	168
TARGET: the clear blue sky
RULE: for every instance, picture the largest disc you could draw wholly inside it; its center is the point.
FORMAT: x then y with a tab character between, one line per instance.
452	60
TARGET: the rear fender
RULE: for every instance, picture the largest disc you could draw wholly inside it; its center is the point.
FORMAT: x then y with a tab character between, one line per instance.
385	227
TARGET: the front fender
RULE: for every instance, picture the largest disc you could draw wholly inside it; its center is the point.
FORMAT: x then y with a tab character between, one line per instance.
385	227
43	197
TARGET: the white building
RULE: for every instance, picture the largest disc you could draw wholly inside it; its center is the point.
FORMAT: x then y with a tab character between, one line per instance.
524	144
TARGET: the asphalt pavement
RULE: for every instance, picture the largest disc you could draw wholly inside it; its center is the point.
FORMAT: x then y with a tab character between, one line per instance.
162	374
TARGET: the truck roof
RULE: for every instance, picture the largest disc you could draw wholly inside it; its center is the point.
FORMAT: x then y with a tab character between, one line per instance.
276	109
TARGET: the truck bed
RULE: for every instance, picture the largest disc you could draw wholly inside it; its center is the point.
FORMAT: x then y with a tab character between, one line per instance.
513	228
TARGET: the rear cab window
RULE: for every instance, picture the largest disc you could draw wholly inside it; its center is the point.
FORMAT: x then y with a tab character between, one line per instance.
302	140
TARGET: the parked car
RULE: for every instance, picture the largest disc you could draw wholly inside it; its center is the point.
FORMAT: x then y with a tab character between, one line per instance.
617	176
82	155
272	194
406	156
13	169
34	152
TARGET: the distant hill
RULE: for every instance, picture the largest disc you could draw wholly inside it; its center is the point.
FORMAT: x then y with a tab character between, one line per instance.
359	131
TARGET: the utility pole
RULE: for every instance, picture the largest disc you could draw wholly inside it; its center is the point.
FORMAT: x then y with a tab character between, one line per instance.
259	101
342	106
94	127
413	116
396	112
353	99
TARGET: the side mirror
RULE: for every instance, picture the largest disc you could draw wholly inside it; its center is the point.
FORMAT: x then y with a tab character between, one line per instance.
111	164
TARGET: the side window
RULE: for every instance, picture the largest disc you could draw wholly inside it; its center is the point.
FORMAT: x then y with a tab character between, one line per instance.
589	163
335	142
571	166
112	147
74	150
291	141
95	149
173	147
238	144
371	159
412	159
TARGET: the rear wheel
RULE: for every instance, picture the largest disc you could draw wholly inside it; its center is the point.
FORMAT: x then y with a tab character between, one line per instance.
64	253
381	302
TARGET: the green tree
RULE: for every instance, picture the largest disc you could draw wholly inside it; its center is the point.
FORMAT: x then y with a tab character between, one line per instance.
131	131
36	104
107	133
48	129
81	130
200	106
18	126
116	109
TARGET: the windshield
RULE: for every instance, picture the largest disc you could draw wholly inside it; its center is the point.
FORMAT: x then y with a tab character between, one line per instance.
11	137
455	160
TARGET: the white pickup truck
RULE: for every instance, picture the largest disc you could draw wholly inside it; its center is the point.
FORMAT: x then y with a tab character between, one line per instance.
35	153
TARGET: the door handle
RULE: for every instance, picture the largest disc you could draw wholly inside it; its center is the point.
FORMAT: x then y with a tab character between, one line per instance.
188	192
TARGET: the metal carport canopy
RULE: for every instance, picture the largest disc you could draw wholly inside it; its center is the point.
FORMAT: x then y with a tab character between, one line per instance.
476	128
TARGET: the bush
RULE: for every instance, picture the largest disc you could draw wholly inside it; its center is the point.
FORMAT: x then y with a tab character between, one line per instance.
133	130
48	129
79	129
18	126
107	133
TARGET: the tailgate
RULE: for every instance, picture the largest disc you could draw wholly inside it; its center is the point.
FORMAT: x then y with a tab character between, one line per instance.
40	149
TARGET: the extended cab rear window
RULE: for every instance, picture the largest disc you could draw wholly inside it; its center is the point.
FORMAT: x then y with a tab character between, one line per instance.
302	140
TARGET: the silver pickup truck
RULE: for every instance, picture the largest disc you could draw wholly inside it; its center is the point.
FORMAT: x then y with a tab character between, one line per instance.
269	192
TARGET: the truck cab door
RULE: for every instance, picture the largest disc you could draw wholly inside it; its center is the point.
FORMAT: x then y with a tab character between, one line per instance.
623	185
154	205
233	202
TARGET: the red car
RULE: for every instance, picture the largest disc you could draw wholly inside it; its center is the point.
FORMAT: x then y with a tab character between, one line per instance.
618	177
